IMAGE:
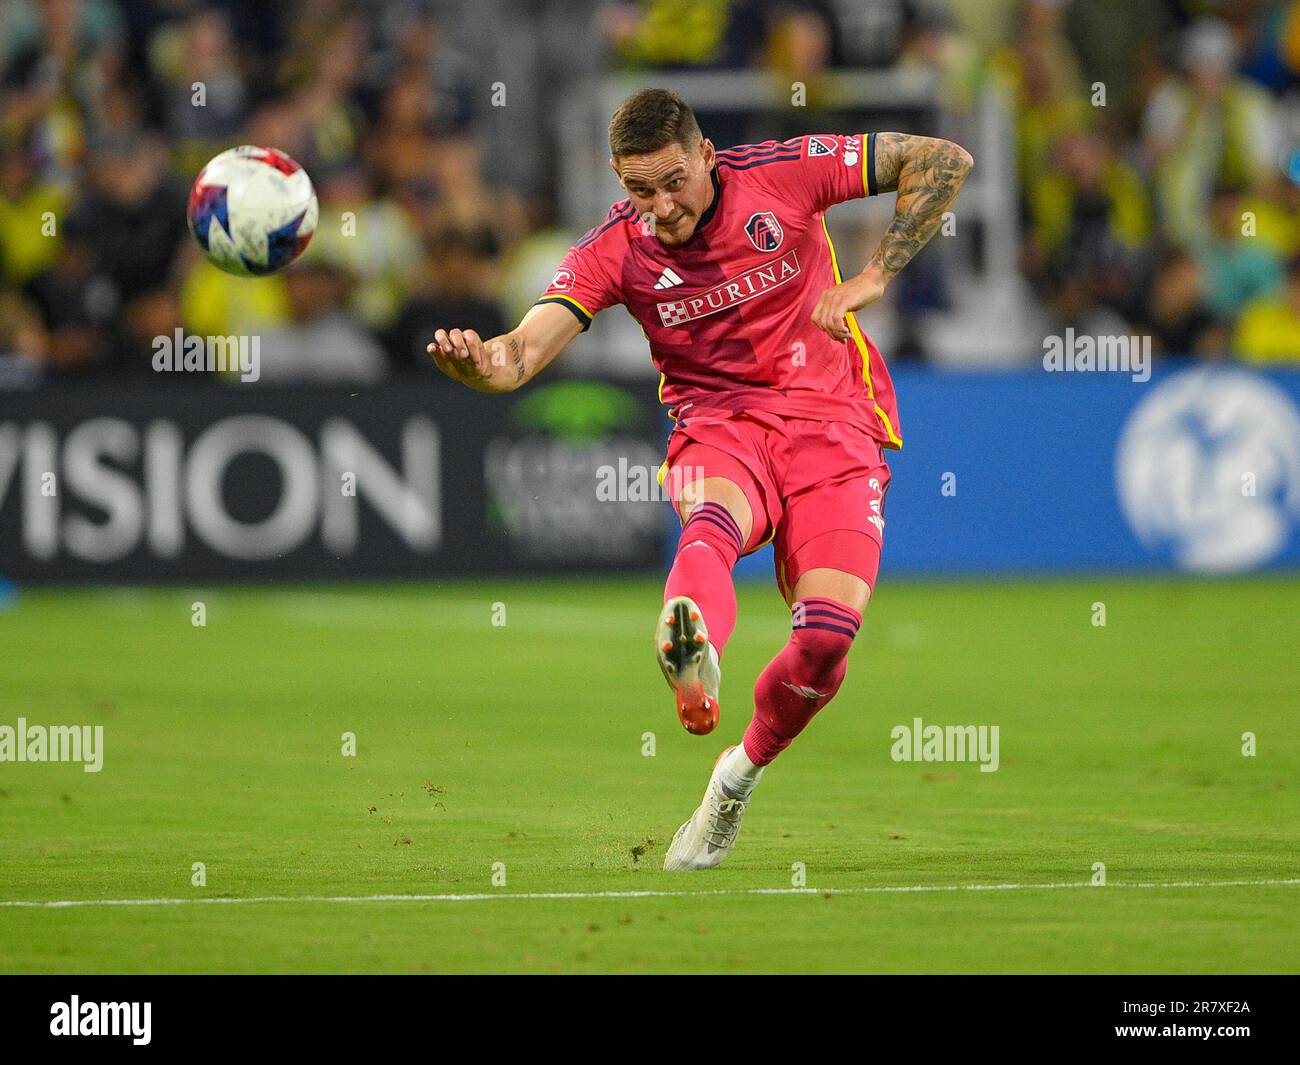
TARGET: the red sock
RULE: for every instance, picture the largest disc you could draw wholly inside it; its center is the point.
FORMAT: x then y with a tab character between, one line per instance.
803	677
710	544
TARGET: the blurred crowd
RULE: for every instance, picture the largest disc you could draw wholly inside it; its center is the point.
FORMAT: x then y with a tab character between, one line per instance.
107	110
1159	162
1157	145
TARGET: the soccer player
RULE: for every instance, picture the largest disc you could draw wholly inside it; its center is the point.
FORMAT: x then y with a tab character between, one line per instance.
782	407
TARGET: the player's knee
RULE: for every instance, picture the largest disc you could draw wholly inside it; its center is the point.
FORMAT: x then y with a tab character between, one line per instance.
819	649
822	632
825	622
711	525
722	493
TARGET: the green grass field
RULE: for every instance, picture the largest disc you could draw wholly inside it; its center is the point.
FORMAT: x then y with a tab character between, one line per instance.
522	744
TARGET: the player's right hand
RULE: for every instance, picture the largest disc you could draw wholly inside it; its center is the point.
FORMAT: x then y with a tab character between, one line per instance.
460	354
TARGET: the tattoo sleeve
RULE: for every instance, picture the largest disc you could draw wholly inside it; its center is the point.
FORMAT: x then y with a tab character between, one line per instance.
927	173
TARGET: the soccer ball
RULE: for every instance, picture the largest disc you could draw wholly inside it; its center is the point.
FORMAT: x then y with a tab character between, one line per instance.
252	210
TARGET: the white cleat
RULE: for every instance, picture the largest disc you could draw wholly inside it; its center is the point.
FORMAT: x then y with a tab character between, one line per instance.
707	838
689	663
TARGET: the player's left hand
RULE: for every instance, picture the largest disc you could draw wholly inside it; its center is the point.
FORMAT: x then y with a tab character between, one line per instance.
852	295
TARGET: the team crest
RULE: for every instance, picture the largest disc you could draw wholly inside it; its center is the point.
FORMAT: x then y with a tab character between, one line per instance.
764	231
819	146
563	279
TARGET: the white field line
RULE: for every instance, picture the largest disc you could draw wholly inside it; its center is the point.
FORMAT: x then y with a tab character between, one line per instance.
530	895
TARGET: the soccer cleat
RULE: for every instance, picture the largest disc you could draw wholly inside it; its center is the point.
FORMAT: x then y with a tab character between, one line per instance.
690	664
707	838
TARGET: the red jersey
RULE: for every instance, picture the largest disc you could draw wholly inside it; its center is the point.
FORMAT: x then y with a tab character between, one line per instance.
728	314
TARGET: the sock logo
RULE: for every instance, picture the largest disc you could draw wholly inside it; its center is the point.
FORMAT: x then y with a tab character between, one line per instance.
804	690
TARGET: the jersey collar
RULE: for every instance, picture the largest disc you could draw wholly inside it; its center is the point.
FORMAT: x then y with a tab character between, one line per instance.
712	209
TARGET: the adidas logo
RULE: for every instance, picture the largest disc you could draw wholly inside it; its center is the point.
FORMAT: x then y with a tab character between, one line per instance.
804	690
668	278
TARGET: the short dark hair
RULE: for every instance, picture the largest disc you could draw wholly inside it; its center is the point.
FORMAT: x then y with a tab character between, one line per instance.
649	120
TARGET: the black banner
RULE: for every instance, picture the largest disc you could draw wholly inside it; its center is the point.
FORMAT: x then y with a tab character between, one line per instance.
252	482
1224	1017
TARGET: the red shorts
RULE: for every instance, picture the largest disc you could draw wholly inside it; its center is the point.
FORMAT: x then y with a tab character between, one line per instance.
816	489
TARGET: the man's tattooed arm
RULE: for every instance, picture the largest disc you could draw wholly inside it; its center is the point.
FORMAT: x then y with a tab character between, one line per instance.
505	362
498	349
518	356
928	173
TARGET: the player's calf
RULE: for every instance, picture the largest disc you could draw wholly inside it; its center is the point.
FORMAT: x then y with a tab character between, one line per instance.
803	677
707	551
699	613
